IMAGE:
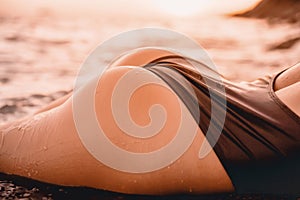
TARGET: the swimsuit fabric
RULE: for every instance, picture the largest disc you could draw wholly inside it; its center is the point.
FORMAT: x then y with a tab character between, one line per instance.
259	145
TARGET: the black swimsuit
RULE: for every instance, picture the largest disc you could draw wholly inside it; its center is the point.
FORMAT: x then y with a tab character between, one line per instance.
259	146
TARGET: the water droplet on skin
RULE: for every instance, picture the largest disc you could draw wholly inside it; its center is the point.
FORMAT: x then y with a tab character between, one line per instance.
39	117
45	148
190	190
29	174
20	127
134	181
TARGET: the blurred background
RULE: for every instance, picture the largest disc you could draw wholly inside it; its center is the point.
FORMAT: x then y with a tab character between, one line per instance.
43	43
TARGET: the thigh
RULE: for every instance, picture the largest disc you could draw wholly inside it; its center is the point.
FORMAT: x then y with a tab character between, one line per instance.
48	147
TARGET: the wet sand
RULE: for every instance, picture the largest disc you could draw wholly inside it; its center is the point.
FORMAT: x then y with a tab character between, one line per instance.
39	59
14	187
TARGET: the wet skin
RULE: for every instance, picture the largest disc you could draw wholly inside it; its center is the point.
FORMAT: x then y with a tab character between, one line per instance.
46	146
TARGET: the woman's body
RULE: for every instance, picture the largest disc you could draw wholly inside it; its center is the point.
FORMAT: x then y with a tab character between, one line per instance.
46	146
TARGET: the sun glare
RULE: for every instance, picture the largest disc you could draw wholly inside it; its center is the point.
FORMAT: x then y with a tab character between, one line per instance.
182	7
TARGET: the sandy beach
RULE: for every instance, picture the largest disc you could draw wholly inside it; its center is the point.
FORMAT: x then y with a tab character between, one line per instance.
41	55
